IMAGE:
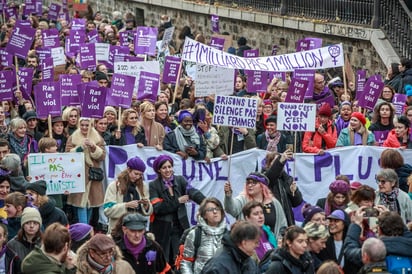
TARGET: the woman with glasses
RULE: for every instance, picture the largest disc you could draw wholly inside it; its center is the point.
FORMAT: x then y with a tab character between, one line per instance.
128	193
130	130
212	225
256	189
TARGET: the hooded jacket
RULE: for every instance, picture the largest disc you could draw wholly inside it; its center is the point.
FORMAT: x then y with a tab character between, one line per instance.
284	262
52	214
37	262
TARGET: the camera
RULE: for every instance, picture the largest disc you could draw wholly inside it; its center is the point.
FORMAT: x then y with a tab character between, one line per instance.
371	212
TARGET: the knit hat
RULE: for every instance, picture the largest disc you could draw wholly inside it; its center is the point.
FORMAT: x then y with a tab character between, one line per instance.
40	187
136	163
325	110
317	231
101	76
345	103
29	115
259	177
160	160
110	109
408	90
308	211
79	231
101	242
183	114
359	116
339	186
30	214
271	119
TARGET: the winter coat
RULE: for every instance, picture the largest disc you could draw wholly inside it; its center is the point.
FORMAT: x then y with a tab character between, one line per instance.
83	266
283	262
18	183
314	141
225	133
52	214
403	174
262	143
157	134
170	144
404	205
344	138
396	83
11	262
406	80
115	207
230	260
393	141
140	137
37	262
94	194
22	248
210	241
234	206
13	226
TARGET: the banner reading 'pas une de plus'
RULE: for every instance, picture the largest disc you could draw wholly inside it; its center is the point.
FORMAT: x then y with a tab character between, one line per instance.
326	57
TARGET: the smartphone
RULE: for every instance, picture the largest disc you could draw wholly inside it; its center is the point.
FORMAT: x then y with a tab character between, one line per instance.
371	212
202	114
289	147
186	147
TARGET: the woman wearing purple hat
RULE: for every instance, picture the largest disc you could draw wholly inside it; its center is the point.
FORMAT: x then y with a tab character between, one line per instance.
127	193
168	195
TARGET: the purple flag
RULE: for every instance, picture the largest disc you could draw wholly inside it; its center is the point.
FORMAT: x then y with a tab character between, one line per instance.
145	41
6	86
308	75
373	89
78	24
399	101
214	20
88	56
54	10
20	41
296	91
148	86
94	101
68	87
93	36
121	91
26	81
50	38
73	41
257	81
308	44
6	58
116	53
360	81
47	70
47	95
217	42
250	53
275	49
171	69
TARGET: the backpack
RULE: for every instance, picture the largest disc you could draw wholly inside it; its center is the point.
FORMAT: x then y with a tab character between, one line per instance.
196	244
398	264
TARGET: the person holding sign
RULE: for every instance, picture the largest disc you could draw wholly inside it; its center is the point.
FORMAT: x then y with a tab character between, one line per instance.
130	131
154	131
356	133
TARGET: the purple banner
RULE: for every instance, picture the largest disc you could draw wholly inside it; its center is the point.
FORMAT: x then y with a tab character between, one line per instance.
308	75
308	44
47	95
94	101
121	91
26	81
78	24
20	41
68	87
399	101
117	53
6	58
257	81
145	41
296	91
217	43
250	53
6	86
54	10
171	69
50	38
148	86
214	21
47	71
360	81
88	56
73	41
373	89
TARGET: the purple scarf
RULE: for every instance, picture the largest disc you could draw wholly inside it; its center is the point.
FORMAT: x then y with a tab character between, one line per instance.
135	250
130	139
168	183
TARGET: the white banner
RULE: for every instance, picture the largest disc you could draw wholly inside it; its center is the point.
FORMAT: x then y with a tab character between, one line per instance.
326	57
213	80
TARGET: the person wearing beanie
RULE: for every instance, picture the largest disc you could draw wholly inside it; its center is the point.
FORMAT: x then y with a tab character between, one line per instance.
110	114
5	184
128	193
313	214
31	120
337	198
382	121
272	140
256	189
342	121
47	206
325	135
318	235
356	133
79	234
102	79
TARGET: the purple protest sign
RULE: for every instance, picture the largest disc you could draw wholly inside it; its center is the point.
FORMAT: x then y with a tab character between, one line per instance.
148	86
47	95
145	41
330	99
93	36
217	42
308	44
43	53
68	88
275	49
73	41
130	58
50	38
277	74
82	87
6	58
399	101
78	24
296	91
11	12
121	90
373	89
29	7
23	23
94	101
171	69
20	41
308	75
257	81
117	53
381	136
214	20
250	53
54	10
87	56
26	81
360	81
125	38
6	86
47	71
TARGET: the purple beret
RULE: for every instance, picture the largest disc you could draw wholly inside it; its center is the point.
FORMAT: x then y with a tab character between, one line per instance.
79	231
183	114
136	163
308	211
160	160
339	186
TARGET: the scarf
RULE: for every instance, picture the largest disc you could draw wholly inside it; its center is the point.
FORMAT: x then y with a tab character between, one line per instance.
101	268
273	141
168	182
182	136
341	124
130	195
390	200
134	250
330	208
129	136
20	146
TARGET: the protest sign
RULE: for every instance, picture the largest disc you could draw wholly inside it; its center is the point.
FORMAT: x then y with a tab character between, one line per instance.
115	53
6	58
279	75
371	93
61	171
308	44
48	99
47	69
43	53
25	76
249	53
257	81
148	86
275	49
213	80
30	7
145	41
121	90
54	10
11	12
81	87
308	75
134	69
93	101
381	136
93	36
296	91
399	101
171	69
50	38
20	41
6	86
214	20
102	51
329	98
68	88
326	57
235	111
217	42
167	37
125	38
88	56
58	56
296	117
78	24
73	41
360	81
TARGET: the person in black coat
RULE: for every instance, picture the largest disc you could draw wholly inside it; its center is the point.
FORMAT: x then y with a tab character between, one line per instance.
8	258
130	131
168	195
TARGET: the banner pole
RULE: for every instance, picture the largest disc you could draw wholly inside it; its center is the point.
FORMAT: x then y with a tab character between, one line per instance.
119	119
177	81
230	156
49	123
345	86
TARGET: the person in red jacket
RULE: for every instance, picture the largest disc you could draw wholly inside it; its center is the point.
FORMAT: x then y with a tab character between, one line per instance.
325	135
399	136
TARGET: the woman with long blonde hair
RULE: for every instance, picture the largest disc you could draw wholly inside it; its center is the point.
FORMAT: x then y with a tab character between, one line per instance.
130	130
